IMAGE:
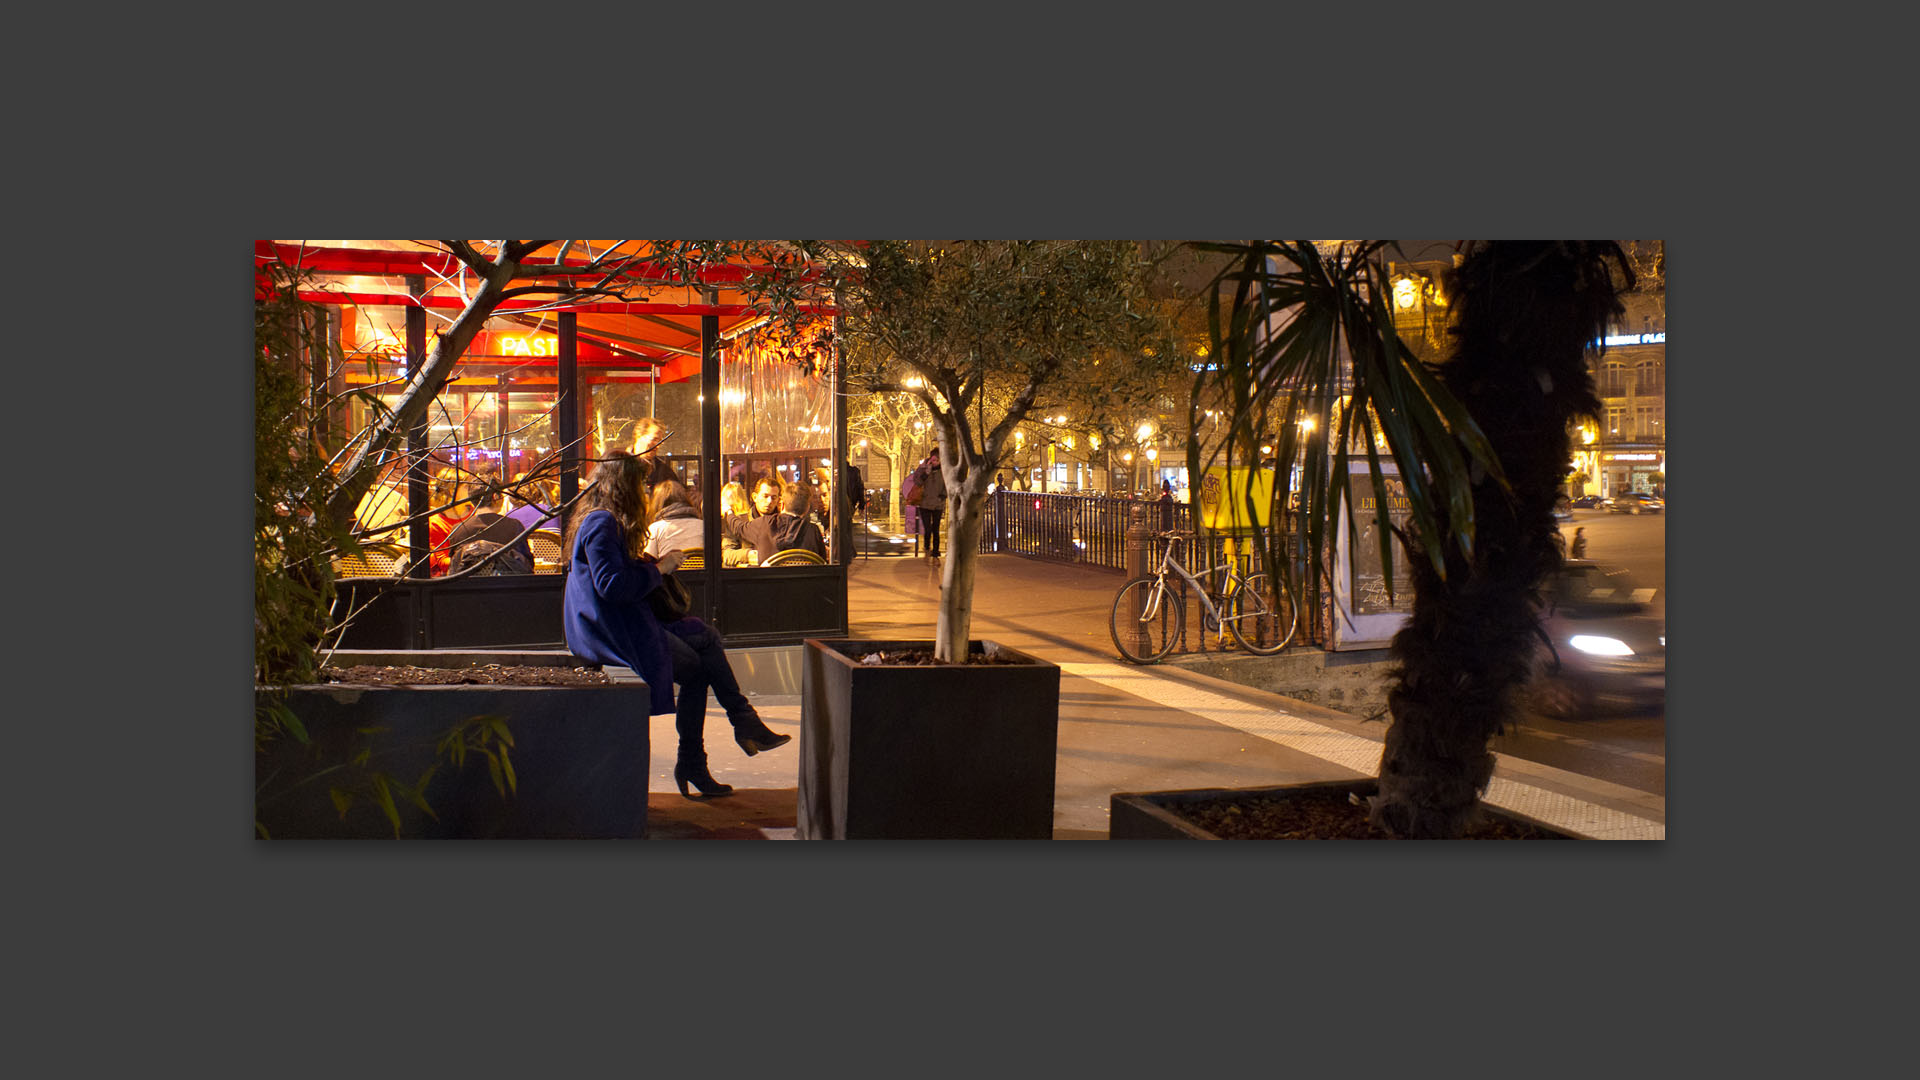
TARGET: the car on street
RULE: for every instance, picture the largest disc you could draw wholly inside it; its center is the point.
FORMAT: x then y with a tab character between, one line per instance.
1587	502
1607	652
1633	502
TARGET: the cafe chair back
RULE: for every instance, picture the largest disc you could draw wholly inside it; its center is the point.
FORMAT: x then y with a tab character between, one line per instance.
372	560
545	544
793	556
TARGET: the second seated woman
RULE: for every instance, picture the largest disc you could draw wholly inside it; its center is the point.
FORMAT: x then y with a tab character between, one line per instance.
675	524
609	621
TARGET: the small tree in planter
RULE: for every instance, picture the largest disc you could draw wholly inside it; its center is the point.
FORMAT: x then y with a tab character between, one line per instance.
984	334
1481	442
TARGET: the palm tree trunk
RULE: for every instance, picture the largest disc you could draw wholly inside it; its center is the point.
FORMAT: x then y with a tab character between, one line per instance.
1526	313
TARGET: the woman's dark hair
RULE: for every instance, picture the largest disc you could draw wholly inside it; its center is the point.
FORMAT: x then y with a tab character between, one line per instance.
668	493
616	486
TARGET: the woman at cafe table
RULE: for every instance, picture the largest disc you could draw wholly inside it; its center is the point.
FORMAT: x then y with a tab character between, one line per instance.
608	620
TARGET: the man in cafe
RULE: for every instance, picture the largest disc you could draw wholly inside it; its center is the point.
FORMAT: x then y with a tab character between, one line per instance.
790	528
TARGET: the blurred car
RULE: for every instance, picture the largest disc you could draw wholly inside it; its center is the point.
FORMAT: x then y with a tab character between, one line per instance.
1607	650
1587	502
1563	509
1633	502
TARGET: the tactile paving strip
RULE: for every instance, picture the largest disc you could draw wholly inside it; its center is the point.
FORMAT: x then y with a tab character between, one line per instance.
1361	754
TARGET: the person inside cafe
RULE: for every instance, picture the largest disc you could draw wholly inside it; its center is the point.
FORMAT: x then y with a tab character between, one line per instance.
453	494
484	532
608	619
648	434
788	529
821	498
383	508
736	510
532	500
766	496
675	524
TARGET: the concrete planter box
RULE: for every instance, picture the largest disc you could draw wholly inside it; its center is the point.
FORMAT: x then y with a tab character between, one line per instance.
1146	815
580	755
944	751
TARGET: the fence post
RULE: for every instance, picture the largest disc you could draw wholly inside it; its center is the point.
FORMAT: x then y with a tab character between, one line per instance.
1139	541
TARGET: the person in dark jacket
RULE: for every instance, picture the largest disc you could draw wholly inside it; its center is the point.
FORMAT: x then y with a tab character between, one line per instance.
485	530
648	434
855	486
788	529
933	501
608	620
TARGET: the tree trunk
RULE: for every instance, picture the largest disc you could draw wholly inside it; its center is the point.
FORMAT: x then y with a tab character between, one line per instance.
962	547
1525	315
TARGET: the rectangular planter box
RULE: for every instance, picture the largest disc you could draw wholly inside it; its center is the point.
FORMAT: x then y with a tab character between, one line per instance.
943	751
1146	815
580	755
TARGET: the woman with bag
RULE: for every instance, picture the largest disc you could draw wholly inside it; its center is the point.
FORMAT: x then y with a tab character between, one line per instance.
609	620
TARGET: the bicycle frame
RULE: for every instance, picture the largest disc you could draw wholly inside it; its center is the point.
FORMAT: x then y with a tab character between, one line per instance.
1168	562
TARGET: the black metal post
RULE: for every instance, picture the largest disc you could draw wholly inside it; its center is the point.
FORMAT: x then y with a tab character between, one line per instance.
1139	540
710	476
843	499
566	408
417	438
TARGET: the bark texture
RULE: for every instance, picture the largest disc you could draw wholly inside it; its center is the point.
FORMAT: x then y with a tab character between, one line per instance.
1525	315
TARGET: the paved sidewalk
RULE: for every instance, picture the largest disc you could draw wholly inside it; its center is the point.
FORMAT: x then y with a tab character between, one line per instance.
1122	727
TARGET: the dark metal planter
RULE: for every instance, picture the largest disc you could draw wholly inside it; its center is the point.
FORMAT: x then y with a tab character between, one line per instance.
1144	815
580	754
943	751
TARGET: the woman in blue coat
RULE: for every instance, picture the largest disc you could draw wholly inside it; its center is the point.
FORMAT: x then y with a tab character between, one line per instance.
609	621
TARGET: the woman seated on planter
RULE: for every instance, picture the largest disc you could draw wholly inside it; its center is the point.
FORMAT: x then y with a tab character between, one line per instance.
786	530
609	620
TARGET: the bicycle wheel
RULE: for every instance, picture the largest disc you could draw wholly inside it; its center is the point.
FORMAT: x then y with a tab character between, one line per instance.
1260	625
1145	627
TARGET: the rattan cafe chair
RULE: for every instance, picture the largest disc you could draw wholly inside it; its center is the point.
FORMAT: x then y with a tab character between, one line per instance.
795	556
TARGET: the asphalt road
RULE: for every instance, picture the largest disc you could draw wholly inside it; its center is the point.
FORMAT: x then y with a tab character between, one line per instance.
1621	747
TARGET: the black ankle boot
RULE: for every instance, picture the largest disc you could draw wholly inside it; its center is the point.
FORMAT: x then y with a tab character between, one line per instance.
693	770
753	735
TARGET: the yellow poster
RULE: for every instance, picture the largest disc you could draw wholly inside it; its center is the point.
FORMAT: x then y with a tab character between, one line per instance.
1223	497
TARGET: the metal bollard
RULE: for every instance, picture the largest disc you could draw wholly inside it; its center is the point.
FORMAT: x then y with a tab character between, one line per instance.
1139	548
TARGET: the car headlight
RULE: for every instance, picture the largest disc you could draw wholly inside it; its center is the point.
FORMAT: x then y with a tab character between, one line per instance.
1595	645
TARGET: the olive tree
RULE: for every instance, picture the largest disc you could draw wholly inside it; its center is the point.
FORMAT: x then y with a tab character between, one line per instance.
985	334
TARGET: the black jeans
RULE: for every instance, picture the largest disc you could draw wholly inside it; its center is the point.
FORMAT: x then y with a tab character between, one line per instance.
699	662
930	529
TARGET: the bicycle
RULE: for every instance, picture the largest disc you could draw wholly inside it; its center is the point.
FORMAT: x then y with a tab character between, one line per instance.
1148	618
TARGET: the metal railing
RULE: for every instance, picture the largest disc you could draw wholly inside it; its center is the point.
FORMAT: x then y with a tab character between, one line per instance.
1089	530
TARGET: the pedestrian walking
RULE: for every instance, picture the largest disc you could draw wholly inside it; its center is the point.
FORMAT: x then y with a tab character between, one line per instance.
1579	548
932	483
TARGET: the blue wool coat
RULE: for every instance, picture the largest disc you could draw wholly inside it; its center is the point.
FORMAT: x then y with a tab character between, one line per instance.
607	617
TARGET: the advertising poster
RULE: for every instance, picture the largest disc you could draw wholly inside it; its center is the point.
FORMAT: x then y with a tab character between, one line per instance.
1363	618
1369	582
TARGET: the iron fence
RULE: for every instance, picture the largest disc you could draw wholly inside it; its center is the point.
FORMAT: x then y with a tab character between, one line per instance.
1091	530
